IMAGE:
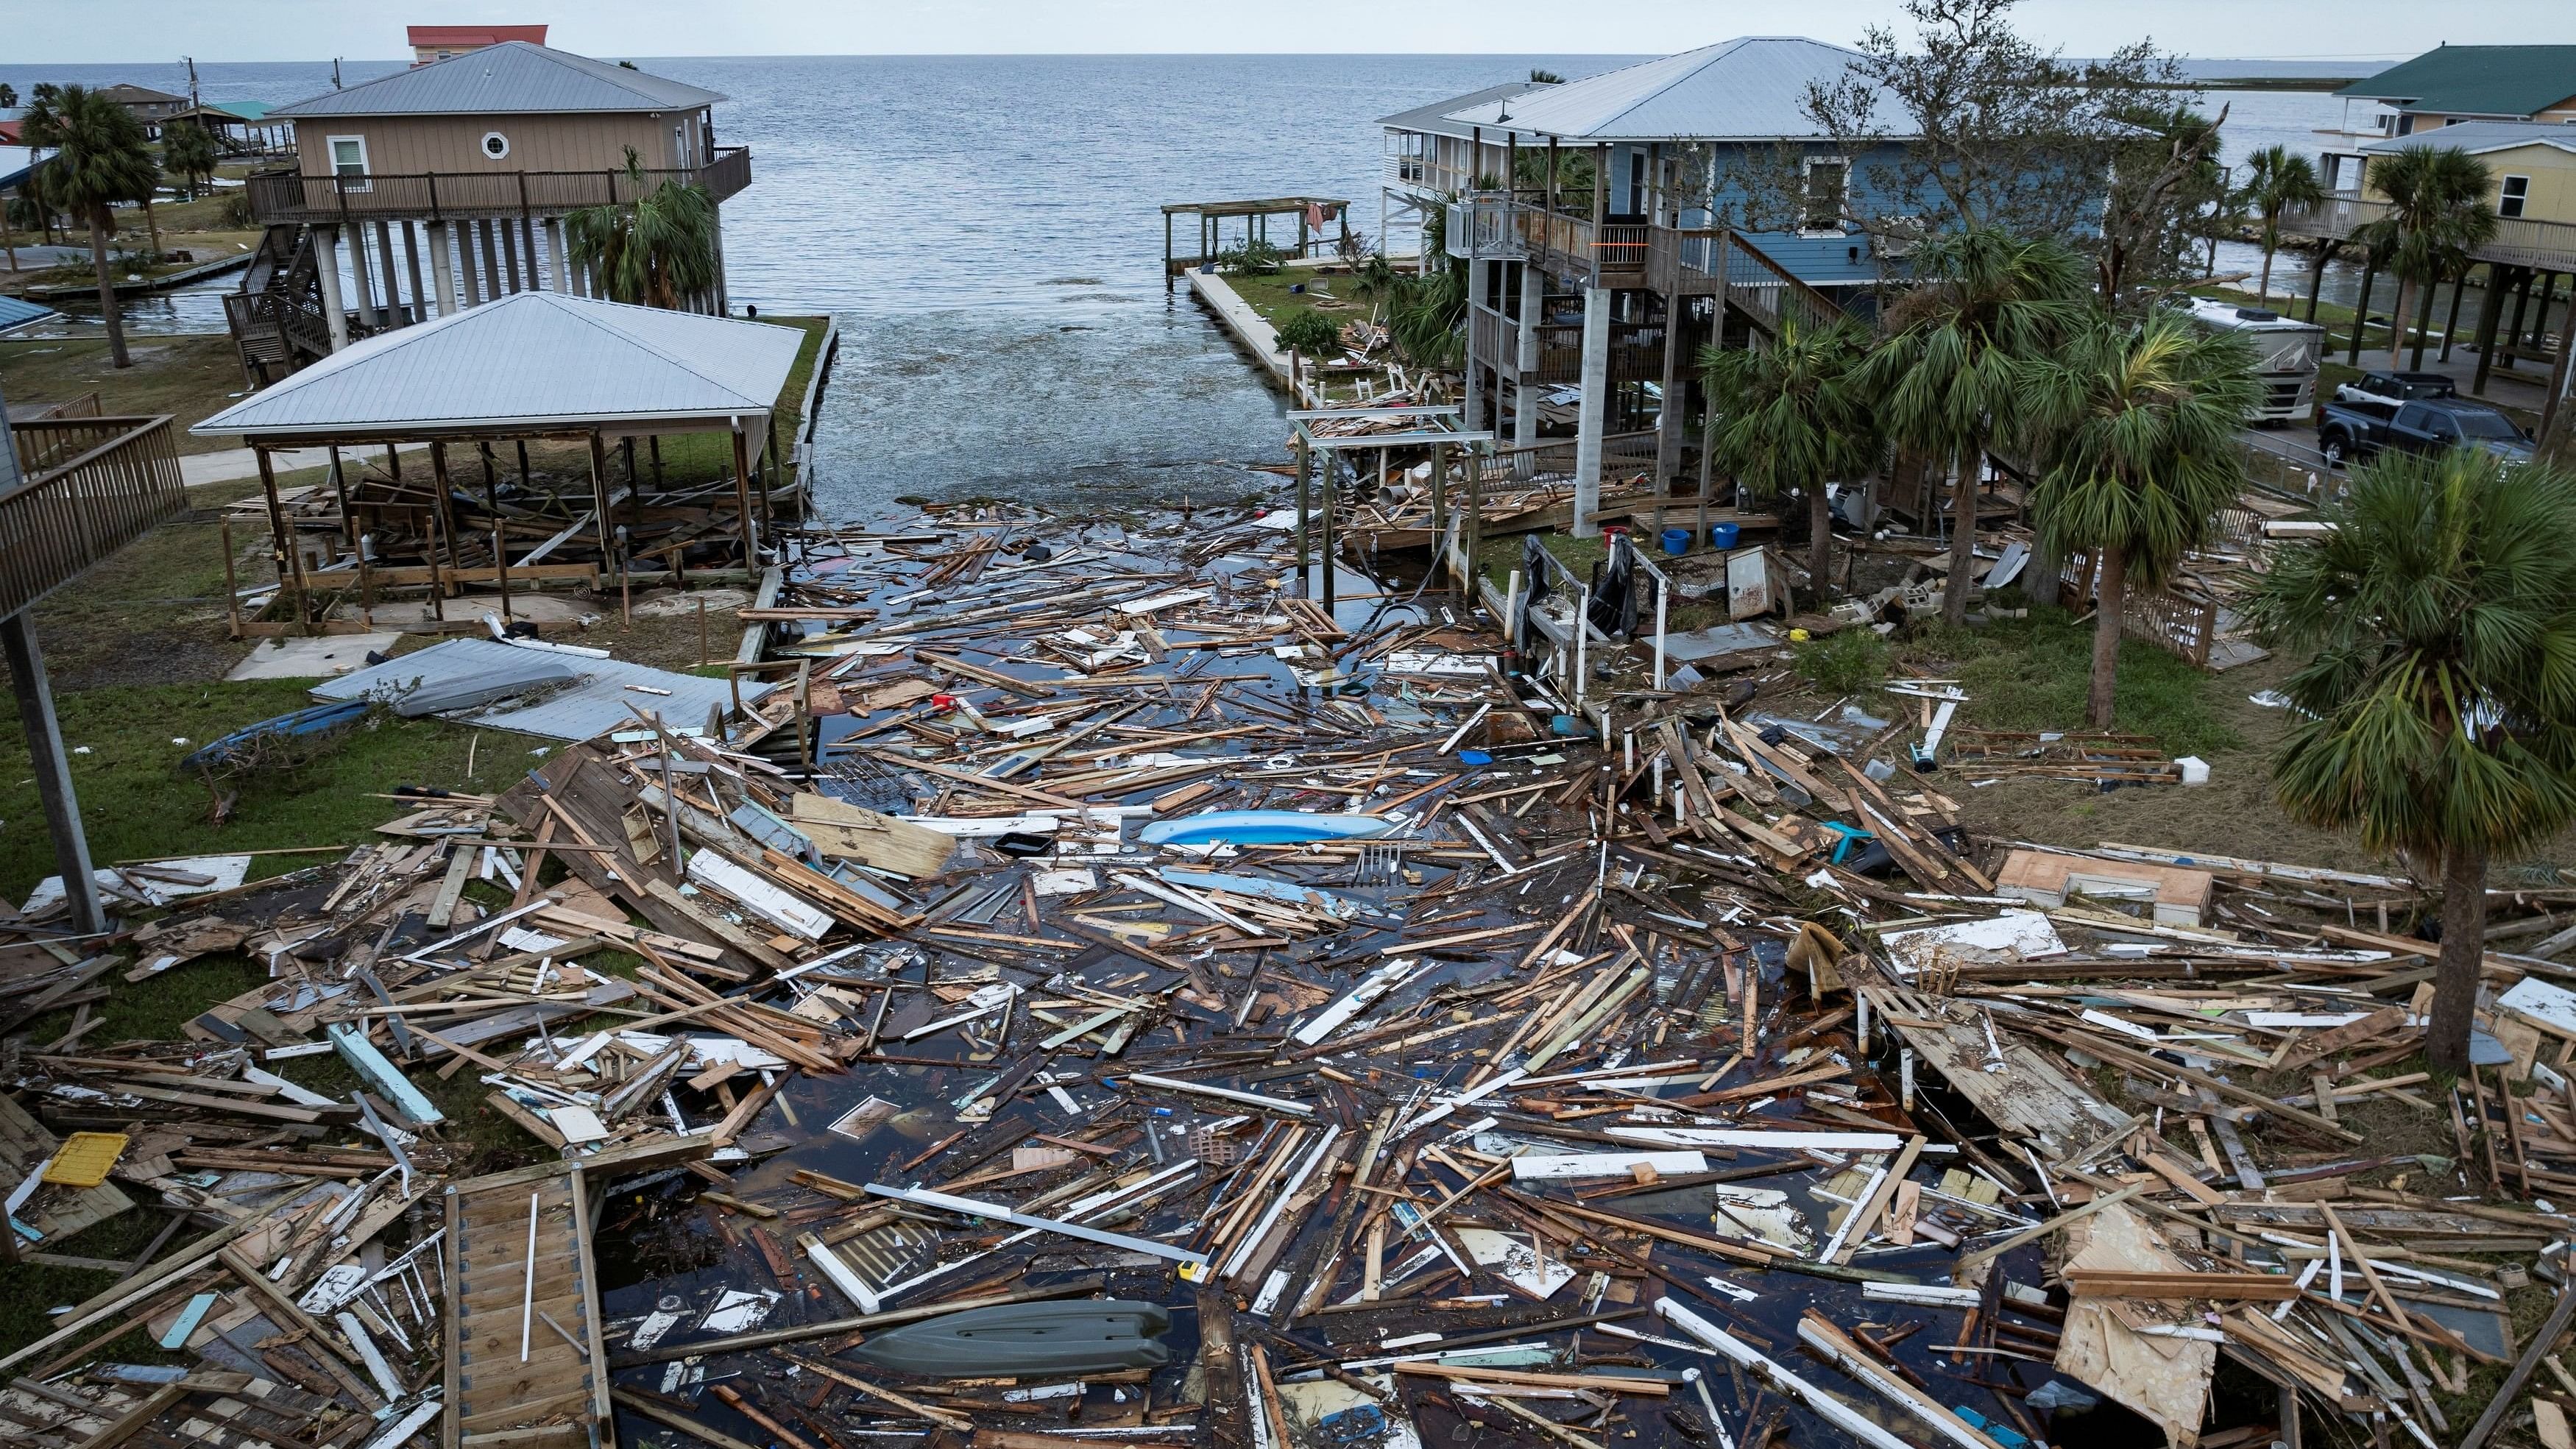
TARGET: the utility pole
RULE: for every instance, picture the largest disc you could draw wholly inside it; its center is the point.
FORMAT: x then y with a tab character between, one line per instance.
193	101
335	72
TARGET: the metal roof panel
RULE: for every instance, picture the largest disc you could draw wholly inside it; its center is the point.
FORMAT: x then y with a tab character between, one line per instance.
528	356
513	76
593	704
1749	87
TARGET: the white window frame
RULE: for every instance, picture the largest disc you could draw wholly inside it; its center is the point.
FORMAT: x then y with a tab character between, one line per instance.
1806	193
364	181
2506	196
483	147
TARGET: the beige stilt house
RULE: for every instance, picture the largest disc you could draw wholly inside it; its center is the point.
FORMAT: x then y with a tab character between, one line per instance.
445	185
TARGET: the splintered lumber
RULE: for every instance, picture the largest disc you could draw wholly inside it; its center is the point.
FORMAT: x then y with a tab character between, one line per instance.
2093	1044
1818	1333
851	832
2510	1392
2218	1287
1599	1383
2058	1223
1831	1409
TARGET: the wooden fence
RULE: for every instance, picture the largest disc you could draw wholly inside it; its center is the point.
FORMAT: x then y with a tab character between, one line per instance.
92	486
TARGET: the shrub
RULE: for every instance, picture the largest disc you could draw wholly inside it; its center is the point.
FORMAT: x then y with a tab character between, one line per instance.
1310	332
1255	258
1844	663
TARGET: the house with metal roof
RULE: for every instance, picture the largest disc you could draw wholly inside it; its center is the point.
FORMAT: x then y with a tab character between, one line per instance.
1666	134
2455	83
1612	225
146	105
445	185
2451	85
2531	165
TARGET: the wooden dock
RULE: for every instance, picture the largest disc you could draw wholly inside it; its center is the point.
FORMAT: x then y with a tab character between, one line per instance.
525	1369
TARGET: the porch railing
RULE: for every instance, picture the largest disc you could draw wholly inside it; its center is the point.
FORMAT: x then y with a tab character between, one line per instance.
92	486
2518	241
291	196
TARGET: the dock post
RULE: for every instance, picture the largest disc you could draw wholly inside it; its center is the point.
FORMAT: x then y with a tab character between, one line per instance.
1524	412
742	500
326	247
1167	251
1332	467
1474	527
1305	481
1595	403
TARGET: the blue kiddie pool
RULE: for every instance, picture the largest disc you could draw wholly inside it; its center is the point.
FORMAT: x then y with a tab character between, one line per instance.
1262	827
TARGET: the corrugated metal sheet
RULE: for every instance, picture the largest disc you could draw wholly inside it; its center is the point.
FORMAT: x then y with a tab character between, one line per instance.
17	312
498	79
2476	136
1750	87
594	704
529	356
1433	119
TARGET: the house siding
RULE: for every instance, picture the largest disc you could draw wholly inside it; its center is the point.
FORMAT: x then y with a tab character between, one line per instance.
410	145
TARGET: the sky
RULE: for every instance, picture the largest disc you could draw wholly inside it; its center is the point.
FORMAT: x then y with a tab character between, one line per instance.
42	31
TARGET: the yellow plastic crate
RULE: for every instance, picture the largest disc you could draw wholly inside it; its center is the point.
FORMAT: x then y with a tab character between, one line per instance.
85	1159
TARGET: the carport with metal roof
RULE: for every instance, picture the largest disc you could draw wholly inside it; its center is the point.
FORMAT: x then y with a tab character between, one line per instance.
530	366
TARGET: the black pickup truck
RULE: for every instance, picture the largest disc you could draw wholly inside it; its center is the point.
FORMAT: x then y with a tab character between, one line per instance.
2357	430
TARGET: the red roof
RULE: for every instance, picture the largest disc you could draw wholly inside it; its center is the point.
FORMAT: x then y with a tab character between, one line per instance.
431	37
9	132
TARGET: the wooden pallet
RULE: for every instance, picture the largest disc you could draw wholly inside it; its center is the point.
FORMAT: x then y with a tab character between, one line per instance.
512	1379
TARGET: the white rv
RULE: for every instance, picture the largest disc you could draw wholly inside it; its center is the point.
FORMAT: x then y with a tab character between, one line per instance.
2286	354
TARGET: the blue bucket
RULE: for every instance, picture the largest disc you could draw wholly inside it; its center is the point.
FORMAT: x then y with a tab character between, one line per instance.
1723	535
1677	540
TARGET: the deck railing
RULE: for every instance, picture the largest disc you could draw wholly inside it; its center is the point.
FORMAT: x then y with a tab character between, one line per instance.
93	485
1674	260
290	196
2518	241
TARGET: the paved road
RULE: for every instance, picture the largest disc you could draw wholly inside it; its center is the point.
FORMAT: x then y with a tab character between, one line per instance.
234	464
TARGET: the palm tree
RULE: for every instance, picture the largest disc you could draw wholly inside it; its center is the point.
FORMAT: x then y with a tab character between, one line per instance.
658	249
190	151
2276	179
2438	714
8	96
2437	215
2137	423
1949	380
1792	415
99	160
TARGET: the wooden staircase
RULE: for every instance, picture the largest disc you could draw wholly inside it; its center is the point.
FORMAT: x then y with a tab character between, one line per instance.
277	317
525	1369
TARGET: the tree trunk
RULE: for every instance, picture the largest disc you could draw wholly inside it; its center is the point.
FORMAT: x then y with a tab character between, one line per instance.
2110	596
1963	532
1820	561
153	228
2424	319
2397	325
2264	287
2455	973
106	288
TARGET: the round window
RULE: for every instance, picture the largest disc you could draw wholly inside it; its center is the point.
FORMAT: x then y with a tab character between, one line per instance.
495	145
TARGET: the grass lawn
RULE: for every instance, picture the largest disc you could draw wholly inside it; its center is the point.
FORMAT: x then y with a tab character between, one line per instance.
192	376
1328	292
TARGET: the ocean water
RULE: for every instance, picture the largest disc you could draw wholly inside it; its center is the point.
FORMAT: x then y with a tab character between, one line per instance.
988	230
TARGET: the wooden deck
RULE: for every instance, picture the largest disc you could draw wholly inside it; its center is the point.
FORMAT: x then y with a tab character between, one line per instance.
525	1368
